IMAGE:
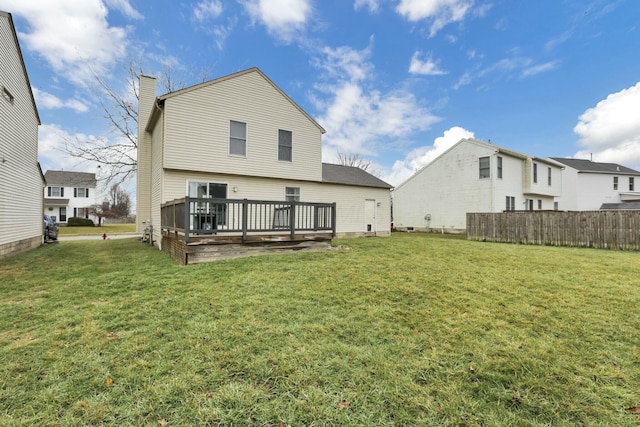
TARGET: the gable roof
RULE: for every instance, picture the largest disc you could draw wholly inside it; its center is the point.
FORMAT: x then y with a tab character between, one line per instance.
350	175
70	179
587	166
24	68
162	98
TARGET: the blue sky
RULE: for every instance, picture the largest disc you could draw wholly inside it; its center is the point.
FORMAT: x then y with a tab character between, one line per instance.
395	81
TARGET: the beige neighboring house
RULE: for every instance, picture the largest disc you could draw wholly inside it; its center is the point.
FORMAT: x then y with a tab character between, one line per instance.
21	180
241	137
475	176
70	194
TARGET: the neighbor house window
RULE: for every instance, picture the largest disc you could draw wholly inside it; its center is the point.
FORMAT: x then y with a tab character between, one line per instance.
238	138
499	167
528	204
80	192
615	182
511	203
285	145
555	206
485	167
549	177
535	172
631	184
81	212
539	204
55	191
292	194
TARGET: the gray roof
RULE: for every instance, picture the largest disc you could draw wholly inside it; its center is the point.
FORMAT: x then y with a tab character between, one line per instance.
588	166
350	175
56	202
70	179
620	206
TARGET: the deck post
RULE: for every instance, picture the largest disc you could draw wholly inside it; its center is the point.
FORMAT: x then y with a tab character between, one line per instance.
292	220
333	218
245	218
187	213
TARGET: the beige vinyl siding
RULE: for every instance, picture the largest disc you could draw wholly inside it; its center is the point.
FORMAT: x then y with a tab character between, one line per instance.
197	130
143	188
21	188
157	176
350	200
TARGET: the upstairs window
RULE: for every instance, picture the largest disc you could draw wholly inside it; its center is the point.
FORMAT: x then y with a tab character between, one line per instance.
55	191
615	182
285	145
631	184
238	138
80	192
535	172
499	167
549	177
485	167
292	194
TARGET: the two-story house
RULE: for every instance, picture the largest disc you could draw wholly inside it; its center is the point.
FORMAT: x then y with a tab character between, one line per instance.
474	176
589	186
241	137
70	194
21	180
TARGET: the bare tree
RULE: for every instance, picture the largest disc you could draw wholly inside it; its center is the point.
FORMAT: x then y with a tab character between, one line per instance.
353	159
120	201
117	151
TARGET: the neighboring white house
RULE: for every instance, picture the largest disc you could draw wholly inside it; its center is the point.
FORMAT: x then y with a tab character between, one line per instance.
588	185
21	179
242	137
70	194
474	176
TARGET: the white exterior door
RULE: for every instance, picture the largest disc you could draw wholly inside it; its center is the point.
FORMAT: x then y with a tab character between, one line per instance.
370	216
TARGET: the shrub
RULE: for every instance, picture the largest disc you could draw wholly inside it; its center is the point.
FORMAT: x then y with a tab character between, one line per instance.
81	222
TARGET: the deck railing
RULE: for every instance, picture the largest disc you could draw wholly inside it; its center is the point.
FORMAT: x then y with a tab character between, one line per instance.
205	216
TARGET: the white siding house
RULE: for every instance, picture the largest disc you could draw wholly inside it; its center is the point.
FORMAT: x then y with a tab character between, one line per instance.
588	185
474	176
70	194
241	137
21	180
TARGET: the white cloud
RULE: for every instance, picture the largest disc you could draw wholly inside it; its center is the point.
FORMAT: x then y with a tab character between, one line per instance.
427	67
373	5
440	12
73	36
125	7
51	153
541	68
360	119
422	156
611	130
45	100
283	18
207	10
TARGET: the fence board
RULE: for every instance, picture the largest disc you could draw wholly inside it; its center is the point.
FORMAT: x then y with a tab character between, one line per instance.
594	229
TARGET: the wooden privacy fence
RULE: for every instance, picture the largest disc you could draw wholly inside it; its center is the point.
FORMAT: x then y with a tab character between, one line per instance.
594	229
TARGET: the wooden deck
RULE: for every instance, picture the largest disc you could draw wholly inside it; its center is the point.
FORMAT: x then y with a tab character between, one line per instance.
201	230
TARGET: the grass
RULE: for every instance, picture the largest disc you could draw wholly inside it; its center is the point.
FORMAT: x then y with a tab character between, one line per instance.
92	231
411	330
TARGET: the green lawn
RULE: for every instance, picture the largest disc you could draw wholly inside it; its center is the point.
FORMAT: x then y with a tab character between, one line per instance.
105	228
410	330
